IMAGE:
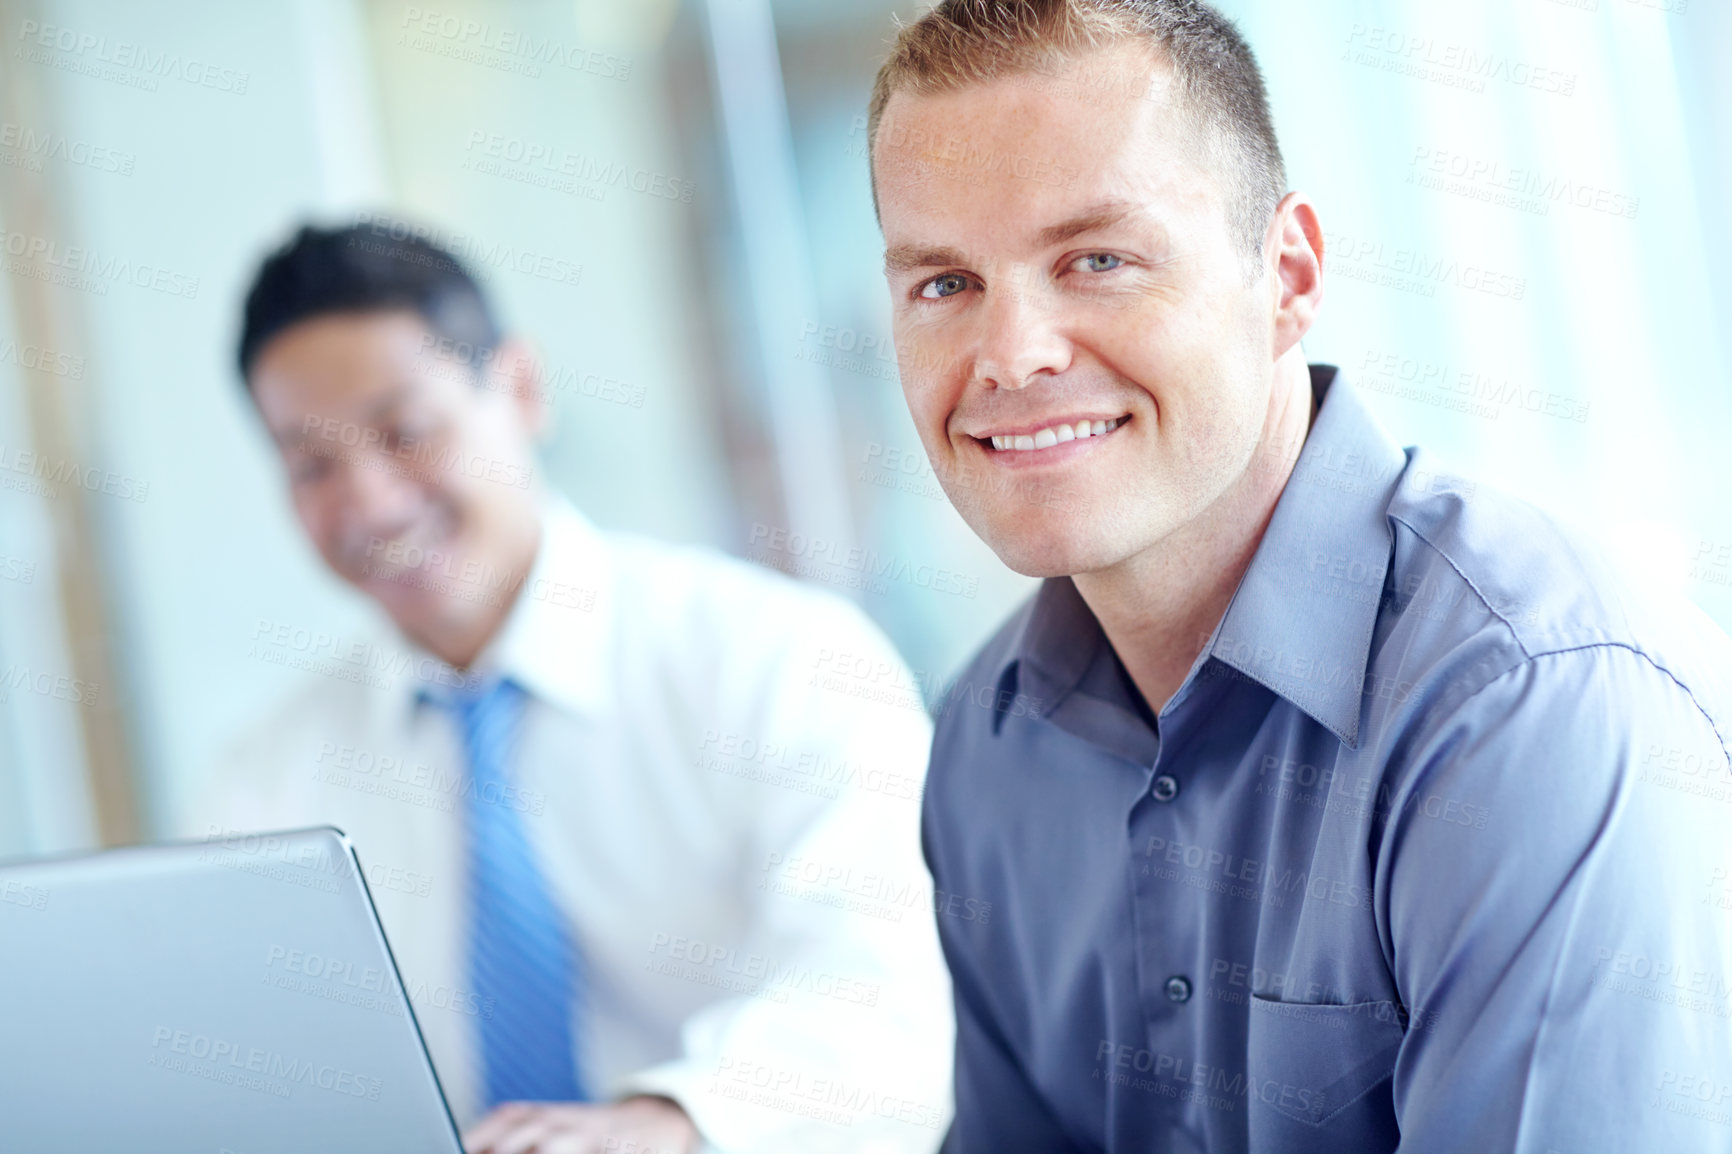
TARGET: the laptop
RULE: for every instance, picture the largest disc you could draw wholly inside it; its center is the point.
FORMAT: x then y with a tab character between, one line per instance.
229	996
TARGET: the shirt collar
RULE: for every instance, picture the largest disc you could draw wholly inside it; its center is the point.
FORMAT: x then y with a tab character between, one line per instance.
1301	621
554	640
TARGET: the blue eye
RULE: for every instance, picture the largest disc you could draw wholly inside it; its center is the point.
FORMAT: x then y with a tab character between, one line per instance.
1101	262
947	285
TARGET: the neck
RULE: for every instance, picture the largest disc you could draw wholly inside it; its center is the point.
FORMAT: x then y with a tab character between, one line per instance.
1159	607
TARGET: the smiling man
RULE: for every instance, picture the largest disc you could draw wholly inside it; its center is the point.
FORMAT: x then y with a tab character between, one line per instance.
1362	811
650	886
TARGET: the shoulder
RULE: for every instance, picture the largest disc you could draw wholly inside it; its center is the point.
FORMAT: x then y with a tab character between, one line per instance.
1496	589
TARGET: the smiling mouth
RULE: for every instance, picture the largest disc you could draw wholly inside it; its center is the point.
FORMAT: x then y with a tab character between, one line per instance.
406	551
1049	435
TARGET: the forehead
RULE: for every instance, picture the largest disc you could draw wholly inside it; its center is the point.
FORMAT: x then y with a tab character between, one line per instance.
1101	125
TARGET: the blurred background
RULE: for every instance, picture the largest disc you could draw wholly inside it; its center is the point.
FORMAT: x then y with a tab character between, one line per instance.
1529	260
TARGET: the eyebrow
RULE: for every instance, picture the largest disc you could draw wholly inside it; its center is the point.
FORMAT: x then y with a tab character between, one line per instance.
903	258
1099	216
908	257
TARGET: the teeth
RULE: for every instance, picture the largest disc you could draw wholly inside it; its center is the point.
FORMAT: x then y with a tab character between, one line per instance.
1056	435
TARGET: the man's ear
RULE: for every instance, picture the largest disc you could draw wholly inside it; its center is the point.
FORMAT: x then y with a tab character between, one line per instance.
515	371
1295	245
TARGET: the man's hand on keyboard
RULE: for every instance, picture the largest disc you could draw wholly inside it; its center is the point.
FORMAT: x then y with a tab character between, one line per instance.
655	1125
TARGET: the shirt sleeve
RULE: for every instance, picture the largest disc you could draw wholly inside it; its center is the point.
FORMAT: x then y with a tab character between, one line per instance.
842	1039
1566	967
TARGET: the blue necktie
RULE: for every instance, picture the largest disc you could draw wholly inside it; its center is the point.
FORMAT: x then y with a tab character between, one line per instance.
521	956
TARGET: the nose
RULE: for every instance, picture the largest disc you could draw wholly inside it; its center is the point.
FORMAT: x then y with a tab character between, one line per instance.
1020	337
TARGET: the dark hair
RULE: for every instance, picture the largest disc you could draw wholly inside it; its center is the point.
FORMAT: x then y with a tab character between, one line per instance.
376	266
960	42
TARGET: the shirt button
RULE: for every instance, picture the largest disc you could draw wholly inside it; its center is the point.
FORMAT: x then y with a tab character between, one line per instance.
1178	988
1166	787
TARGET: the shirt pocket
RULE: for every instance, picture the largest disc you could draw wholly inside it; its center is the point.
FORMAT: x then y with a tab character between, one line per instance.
1320	1077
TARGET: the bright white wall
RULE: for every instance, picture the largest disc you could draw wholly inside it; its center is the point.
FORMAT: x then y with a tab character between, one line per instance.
1616	311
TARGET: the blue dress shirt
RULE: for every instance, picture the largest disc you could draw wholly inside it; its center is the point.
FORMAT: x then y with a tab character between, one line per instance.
1429	851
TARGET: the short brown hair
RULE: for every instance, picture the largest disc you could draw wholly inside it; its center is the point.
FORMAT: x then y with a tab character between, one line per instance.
960	42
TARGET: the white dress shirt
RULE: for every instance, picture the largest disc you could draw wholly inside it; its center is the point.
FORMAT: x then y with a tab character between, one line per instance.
724	804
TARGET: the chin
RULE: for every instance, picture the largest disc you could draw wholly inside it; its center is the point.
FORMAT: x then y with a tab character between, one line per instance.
1050	548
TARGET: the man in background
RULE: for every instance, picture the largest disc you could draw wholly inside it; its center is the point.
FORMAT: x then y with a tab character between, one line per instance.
649	884
1360	817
